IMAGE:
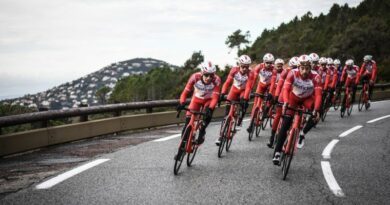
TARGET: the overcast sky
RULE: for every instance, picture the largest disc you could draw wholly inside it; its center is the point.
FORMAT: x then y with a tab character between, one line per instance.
44	43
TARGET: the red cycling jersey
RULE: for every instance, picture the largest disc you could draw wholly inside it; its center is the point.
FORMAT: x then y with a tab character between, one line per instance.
368	69
280	83
241	84
306	91
331	78
203	94
349	75
265	77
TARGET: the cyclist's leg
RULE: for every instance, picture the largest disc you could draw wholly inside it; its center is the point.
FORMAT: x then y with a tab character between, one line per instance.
260	89
353	86
206	122
275	125
240	118
308	104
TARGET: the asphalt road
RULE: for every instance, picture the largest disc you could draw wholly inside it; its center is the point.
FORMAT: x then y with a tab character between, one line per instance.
143	174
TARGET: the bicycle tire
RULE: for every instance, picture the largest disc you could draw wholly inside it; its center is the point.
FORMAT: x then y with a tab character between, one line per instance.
223	138
229	140
260	126
181	151
191	156
349	111
290	156
361	103
337	102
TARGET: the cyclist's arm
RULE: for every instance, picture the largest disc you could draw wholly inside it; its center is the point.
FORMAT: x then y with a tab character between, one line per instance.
374	71
288	86
327	80
189	87
215	96
343	74
283	76
360	73
334	81
249	86
317	93
273	83
228	81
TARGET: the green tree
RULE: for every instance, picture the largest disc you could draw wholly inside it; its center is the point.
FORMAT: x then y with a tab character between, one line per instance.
236	39
101	94
196	59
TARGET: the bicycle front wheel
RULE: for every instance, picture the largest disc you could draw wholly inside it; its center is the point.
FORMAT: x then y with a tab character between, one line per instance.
229	137
181	152
191	156
361	100
337	102
224	132
289	155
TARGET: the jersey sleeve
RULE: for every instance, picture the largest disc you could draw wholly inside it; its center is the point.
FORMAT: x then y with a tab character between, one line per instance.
249	86
228	81
334	80
287	86
327	79
343	74
317	93
282	78
273	82
215	96
374	71
189	87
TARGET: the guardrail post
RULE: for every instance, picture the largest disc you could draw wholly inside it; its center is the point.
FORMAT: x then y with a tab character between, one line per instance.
83	118
44	123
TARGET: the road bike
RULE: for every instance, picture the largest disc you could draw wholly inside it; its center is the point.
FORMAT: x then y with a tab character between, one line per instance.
228	125
188	145
348	102
363	98
326	104
256	122
290	145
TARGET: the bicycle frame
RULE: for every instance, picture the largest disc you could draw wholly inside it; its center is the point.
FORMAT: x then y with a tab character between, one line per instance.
194	124
232	116
299	117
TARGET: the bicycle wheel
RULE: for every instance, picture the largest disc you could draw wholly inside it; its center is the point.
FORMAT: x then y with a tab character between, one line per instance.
191	156
181	151
290	155
361	100
223	135
252	125
229	137
337	102
259	123
349	111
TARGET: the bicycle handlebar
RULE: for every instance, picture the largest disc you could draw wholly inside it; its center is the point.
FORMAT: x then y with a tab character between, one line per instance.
191	111
299	110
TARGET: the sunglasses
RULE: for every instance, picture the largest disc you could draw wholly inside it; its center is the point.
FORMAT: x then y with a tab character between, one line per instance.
207	75
269	63
245	66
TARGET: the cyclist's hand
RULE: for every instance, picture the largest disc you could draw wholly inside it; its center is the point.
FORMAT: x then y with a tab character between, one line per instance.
209	112
180	107
270	97
221	97
276	99
244	103
284	109
316	116
371	82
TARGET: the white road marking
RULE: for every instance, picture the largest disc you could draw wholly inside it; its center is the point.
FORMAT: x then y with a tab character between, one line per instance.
332	183
377	119
353	129
62	177
246	119
328	149
167	138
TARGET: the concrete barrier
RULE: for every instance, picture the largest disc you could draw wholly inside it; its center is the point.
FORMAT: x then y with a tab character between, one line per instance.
28	140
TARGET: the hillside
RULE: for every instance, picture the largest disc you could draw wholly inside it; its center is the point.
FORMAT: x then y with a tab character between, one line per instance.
343	33
70	94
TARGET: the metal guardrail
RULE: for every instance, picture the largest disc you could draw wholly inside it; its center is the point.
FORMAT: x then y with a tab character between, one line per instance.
84	111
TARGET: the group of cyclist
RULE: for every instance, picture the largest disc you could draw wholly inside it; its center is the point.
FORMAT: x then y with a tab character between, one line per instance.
301	83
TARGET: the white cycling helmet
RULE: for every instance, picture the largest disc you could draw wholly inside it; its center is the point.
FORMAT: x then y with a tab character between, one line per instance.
268	58
349	62
244	60
293	61
367	57
336	61
207	67
314	57
323	60
279	61
304	59
329	61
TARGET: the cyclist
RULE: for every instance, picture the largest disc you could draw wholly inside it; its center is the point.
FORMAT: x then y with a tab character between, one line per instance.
302	87
314	60
367	73
265	71
339	69
293	64
322	69
348	77
331	78
205	86
241	77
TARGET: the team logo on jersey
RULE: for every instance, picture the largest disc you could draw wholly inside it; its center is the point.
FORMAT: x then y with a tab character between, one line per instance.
240	80
265	76
303	88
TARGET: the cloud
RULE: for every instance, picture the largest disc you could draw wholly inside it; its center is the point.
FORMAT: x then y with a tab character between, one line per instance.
66	39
